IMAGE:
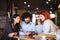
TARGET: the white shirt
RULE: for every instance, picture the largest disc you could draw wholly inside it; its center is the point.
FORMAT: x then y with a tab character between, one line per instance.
26	27
48	26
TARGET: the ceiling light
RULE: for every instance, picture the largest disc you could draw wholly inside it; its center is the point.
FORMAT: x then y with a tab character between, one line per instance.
28	5
37	8
50	12
25	2
47	2
51	8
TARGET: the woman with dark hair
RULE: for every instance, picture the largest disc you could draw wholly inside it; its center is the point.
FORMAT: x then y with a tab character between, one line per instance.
12	28
26	24
48	25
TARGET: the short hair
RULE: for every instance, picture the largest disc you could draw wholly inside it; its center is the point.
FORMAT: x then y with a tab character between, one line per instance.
25	15
46	14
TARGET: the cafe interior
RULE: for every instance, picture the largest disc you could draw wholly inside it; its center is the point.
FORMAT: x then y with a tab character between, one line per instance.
10	7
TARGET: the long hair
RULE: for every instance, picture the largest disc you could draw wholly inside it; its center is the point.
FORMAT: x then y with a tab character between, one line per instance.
17	26
12	18
46	14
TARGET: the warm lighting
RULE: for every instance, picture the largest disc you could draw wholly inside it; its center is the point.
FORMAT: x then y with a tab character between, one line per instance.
59	6
28	5
51	8
37	8
25	2
52	15
47	2
50	12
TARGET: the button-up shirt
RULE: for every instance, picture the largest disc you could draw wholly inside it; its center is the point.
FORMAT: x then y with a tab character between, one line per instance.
26	27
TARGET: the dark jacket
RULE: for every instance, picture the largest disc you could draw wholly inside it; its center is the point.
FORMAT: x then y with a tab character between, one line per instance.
7	30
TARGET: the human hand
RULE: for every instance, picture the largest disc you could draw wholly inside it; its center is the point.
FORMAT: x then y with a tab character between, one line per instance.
12	34
27	33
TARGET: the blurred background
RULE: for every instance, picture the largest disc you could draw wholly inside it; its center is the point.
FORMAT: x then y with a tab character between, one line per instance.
10	7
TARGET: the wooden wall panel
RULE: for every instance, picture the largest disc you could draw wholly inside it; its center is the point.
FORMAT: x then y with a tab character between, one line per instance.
3	7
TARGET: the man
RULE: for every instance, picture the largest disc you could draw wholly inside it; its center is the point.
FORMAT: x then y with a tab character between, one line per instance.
26	24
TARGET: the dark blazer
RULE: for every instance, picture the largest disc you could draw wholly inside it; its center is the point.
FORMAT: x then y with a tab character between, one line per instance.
7	30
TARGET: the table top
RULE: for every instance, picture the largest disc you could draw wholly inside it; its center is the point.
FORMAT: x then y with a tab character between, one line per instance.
25	37
47	35
53	36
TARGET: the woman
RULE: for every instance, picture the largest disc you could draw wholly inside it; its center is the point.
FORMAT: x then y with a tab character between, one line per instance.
38	23
48	25
11	28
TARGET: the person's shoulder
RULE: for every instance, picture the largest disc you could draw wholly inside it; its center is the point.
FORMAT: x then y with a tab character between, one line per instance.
48	20
7	26
31	23
22	22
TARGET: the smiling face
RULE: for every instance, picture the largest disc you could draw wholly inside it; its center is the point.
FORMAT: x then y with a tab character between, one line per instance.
38	18
17	19
42	17
27	20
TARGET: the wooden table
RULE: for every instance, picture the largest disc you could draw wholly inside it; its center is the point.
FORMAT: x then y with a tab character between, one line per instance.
51	36
25	37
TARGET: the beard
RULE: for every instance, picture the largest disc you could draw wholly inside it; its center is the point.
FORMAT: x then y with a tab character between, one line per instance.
27	22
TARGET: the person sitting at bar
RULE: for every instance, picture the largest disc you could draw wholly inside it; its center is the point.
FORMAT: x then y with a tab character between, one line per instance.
12	28
48	25
39	27
27	26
